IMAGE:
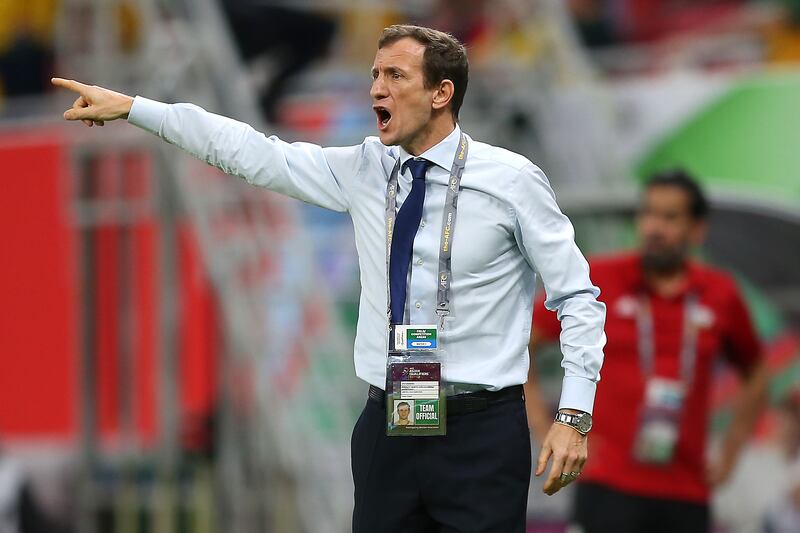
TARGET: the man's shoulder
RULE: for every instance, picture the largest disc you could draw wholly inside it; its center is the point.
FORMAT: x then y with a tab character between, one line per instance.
371	145
370	149
496	154
714	277
618	268
617	261
374	142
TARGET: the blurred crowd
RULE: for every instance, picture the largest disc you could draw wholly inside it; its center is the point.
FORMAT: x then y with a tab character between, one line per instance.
26	46
289	39
28	41
607	23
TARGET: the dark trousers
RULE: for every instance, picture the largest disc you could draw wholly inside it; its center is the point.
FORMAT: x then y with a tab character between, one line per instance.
474	479
599	509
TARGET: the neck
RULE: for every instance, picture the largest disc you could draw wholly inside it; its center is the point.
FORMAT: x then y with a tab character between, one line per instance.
434	132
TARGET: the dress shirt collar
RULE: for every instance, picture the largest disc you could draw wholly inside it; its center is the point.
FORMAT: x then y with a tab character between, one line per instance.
440	154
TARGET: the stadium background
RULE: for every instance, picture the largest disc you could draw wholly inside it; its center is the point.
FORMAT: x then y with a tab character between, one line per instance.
175	346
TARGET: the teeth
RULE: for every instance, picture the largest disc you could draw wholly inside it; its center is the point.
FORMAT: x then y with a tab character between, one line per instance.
383	116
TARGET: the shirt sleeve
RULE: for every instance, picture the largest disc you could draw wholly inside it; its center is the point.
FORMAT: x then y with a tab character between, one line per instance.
741	345
545	322
303	171
547	239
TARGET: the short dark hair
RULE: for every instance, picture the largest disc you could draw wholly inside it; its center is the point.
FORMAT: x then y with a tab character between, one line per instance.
403	403
699	206
445	58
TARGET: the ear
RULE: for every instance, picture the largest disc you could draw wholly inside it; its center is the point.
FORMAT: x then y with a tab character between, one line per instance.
443	94
699	232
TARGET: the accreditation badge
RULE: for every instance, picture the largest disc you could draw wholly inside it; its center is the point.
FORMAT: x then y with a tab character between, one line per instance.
659	422
415	401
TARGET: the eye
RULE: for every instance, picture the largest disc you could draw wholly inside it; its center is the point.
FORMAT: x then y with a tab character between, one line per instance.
396	75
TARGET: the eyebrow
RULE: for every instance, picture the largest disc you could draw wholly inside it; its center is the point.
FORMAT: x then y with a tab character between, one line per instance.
390	68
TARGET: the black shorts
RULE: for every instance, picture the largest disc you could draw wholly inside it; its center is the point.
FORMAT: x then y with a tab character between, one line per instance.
599	509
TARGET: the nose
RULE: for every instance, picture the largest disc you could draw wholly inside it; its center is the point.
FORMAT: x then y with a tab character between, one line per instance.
378	89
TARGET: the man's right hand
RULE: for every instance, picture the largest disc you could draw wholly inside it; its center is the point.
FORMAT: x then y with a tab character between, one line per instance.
94	105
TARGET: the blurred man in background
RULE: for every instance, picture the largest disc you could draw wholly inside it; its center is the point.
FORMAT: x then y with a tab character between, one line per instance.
668	318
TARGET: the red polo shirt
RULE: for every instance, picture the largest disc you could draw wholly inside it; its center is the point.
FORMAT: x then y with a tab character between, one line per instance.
725	330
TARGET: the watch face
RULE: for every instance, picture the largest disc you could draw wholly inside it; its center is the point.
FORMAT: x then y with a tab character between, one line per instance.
584	422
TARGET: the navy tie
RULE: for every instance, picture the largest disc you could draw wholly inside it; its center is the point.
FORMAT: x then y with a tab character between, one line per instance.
405	229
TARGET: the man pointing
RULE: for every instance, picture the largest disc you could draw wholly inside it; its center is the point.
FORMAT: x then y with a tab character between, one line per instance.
450	232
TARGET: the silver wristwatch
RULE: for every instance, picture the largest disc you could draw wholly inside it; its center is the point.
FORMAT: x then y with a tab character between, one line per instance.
581	422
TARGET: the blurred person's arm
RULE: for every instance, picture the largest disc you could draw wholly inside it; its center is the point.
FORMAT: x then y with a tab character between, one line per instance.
743	350
545	330
301	170
539	416
748	404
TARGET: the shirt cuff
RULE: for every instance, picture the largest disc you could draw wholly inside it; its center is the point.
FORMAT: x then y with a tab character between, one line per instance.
577	393
147	114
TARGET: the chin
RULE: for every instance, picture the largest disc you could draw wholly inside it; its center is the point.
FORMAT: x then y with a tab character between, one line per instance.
388	139
384	137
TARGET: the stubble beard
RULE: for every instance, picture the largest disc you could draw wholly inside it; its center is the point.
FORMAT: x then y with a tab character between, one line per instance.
664	262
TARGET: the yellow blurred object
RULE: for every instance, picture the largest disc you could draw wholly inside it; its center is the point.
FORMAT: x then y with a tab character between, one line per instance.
36	18
360	31
33	17
783	43
519	44
129	26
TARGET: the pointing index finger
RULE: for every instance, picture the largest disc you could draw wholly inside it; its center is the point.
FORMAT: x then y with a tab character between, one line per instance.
72	85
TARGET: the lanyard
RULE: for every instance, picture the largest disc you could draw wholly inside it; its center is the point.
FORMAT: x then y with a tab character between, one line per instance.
448	227
646	333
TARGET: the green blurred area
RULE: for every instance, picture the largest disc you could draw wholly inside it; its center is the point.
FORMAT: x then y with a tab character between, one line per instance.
746	141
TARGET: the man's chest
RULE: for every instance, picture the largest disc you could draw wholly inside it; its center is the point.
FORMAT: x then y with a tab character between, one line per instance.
662	333
480	229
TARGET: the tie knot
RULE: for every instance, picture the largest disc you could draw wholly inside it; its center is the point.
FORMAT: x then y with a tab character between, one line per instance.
418	167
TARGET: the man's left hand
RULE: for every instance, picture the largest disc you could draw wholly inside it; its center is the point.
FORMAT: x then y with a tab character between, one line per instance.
717	473
569	451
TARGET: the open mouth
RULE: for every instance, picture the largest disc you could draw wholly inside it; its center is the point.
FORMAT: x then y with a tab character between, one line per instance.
384	116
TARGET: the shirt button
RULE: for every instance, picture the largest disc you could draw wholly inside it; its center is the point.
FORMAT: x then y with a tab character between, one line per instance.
419	261
418	305
422	224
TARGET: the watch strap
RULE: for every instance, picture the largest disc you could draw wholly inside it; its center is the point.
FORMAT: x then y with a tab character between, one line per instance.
570	420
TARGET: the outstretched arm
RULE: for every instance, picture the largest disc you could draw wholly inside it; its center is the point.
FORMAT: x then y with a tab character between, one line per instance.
94	105
304	171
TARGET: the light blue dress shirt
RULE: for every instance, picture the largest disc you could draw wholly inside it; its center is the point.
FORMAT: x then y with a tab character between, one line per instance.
509	230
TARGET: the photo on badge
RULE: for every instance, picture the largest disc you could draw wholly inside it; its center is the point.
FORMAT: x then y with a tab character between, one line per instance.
403	410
